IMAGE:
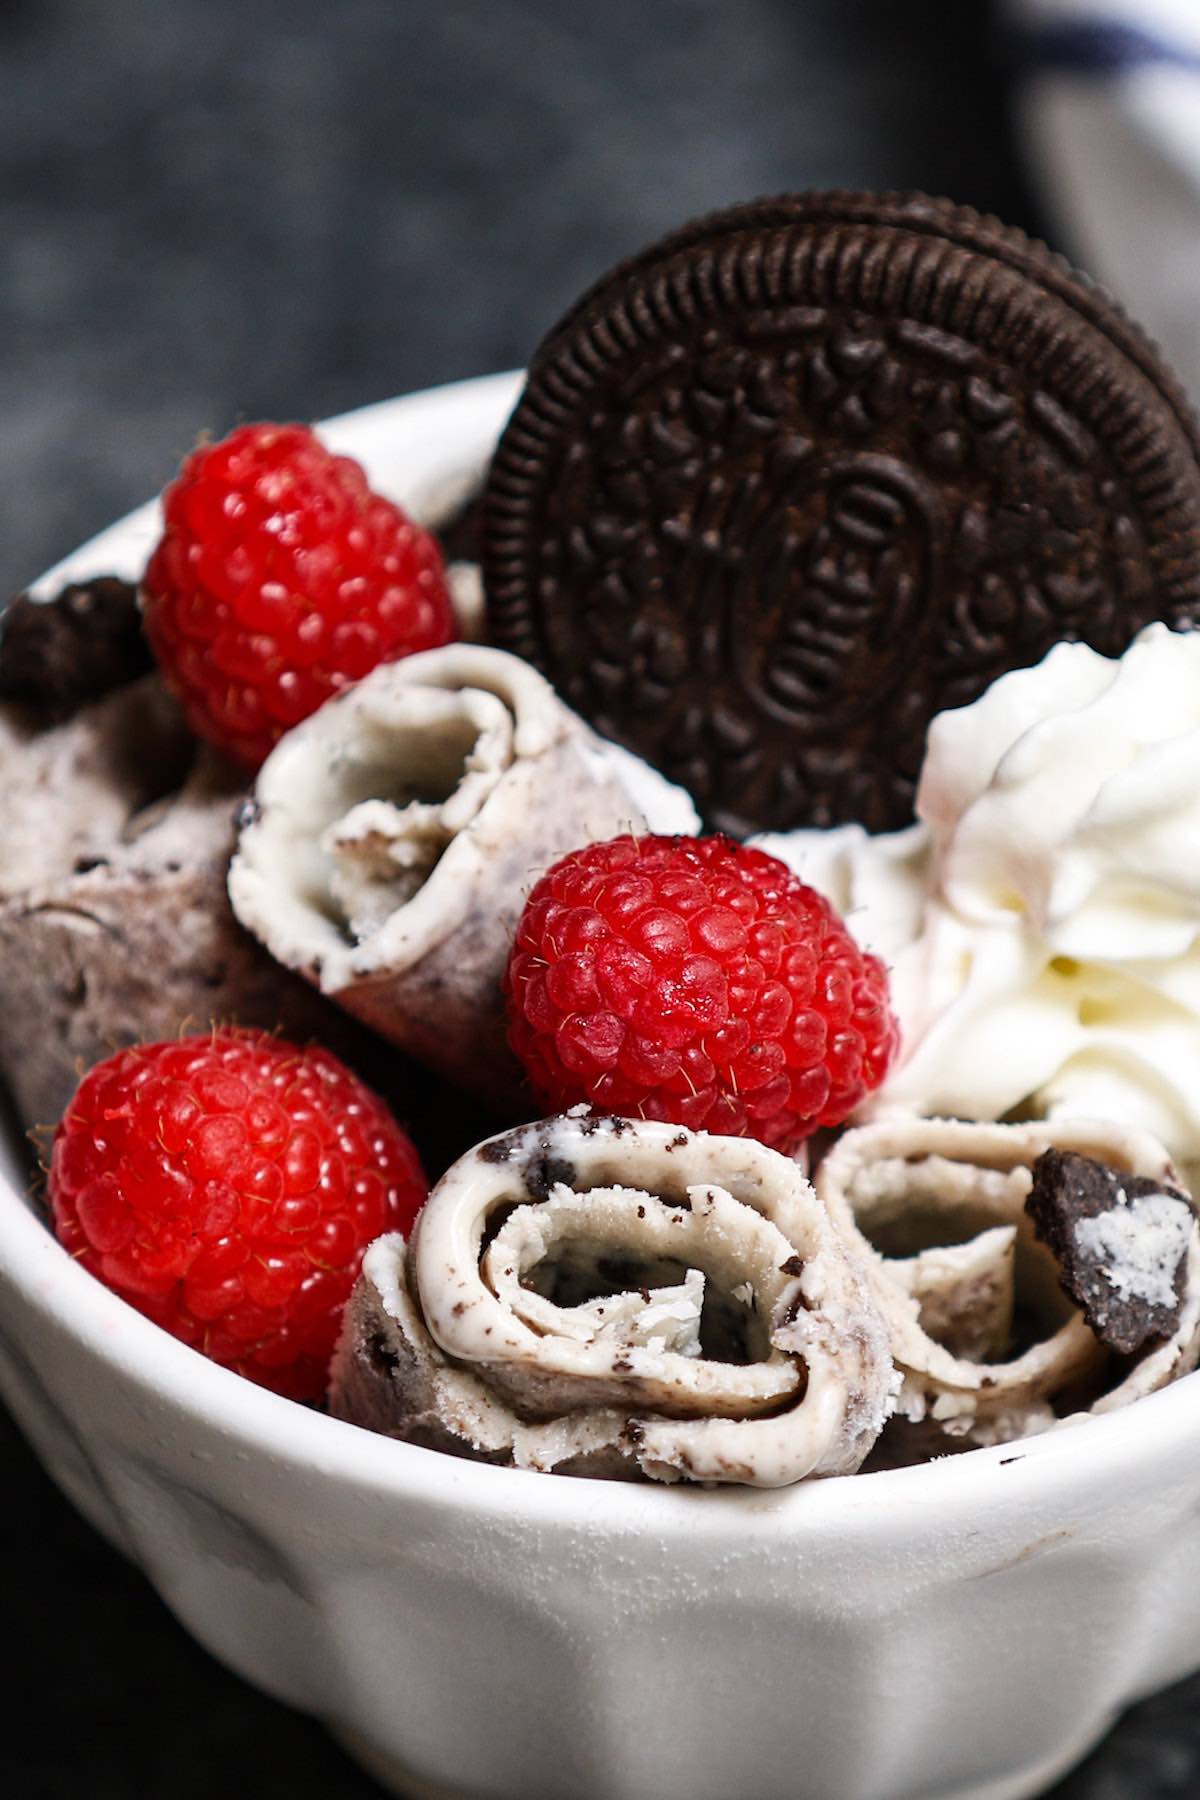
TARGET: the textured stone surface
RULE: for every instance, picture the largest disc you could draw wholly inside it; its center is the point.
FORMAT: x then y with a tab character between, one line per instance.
217	211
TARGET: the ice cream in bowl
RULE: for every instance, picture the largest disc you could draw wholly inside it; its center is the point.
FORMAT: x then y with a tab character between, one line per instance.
786	1384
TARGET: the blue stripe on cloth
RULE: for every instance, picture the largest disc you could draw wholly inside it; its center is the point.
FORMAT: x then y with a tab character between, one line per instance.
1094	47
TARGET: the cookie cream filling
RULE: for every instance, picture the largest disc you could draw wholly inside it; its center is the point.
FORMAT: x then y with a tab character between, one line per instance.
603	1296
1140	1245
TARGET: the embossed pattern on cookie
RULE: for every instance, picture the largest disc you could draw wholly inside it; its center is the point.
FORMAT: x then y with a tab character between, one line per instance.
812	470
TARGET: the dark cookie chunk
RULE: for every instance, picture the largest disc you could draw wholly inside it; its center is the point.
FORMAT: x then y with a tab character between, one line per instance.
1121	1244
459	534
812	470
58	654
544	1171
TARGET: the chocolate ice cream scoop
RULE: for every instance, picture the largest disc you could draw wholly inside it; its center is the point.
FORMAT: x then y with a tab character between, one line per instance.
618	1297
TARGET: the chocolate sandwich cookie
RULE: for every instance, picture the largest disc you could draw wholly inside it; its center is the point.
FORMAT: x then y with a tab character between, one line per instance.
810	471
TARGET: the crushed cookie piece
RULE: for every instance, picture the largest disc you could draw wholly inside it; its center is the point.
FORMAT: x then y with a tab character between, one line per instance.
56	655
496	1150
544	1171
1120	1241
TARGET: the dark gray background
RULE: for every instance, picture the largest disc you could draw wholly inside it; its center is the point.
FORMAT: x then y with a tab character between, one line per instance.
219	209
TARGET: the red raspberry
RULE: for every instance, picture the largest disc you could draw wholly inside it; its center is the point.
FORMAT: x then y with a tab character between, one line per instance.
697	981
227	1186
280	578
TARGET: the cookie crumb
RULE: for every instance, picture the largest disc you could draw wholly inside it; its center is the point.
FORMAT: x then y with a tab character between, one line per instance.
1121	1244
56	655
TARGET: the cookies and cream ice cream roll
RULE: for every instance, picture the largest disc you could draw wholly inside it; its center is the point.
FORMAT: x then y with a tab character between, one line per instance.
988	1342
616	1297
396	832
115	926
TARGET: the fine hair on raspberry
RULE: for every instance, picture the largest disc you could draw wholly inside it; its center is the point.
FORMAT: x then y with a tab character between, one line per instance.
697	981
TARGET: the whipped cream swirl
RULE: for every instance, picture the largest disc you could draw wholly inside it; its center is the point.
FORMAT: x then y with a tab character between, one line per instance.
1043	919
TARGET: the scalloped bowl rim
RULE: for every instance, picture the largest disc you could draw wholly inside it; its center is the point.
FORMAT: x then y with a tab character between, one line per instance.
1074	1456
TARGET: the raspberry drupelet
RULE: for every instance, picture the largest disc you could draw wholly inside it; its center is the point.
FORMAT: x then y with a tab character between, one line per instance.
227	1186
279	579
697	981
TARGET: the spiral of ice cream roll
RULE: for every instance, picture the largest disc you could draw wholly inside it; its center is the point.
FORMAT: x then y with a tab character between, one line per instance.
618	1297
988	1343
397	831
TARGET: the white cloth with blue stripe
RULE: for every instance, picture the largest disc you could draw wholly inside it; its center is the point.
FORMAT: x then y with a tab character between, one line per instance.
1110	96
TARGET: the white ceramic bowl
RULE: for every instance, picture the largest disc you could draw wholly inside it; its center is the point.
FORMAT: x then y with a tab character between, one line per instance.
966	1628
